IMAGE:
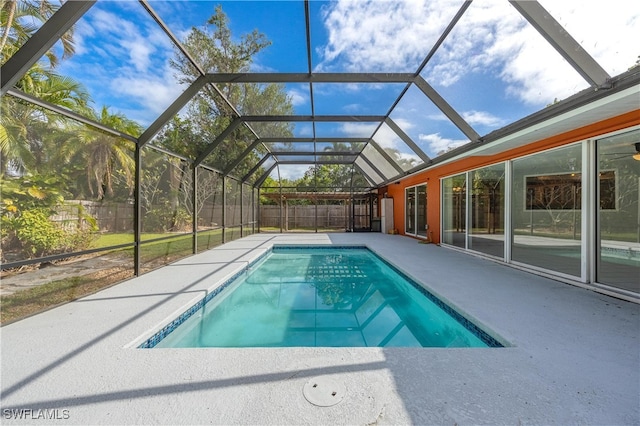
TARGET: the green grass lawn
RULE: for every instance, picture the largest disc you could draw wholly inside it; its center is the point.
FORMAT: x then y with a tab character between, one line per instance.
27	302
152	255
106	240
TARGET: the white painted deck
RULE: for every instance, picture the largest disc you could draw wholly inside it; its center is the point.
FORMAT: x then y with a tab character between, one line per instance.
574	359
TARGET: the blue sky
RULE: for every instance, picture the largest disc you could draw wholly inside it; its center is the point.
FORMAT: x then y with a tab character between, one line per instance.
494	68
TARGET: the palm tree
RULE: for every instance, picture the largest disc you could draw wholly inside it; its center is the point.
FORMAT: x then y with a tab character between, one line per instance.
18	23
23	126
105	155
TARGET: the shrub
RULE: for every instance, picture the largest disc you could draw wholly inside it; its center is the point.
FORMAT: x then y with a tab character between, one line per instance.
36	233
28	230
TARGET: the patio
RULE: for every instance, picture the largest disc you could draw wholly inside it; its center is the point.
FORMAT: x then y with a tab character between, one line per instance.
572	358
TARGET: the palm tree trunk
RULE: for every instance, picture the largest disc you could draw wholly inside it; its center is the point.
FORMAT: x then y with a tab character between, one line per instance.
12	13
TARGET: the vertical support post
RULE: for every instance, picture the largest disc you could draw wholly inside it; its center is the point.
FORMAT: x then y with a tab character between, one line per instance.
588	209
508	233
286	215
256	208
371	212
241	209
194	215
281	217
224	209
468	212
137	211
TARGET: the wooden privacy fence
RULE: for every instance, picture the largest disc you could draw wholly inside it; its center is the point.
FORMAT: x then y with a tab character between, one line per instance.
304	217
118	217
111	217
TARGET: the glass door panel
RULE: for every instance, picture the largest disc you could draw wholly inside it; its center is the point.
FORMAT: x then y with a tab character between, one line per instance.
486	233
454	210
410	211
421	210
618	192
546	210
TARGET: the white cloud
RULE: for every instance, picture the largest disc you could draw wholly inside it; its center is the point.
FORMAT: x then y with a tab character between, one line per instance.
491	38
404	123
290	171
303	130
604	31
378	36
153	92
482	118
438	145
122	58
298	97
352	108
358	130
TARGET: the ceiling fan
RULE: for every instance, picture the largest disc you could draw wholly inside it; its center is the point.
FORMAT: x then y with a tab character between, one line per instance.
635	156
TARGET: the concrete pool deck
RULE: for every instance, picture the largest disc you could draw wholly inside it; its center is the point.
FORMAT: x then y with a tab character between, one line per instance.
574	355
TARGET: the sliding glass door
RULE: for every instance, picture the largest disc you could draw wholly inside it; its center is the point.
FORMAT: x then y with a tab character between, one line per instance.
454	210
618	221
486	231
415	222
546	208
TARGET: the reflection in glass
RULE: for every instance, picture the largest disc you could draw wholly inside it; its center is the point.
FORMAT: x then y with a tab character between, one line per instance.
486	234
380	162
546	209
416	210
421	210
454	210
371	175
397	148
410	211
619	212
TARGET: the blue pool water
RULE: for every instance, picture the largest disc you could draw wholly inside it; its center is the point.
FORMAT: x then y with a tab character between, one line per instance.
338	297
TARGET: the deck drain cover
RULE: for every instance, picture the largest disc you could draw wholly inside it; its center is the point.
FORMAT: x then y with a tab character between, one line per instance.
324	391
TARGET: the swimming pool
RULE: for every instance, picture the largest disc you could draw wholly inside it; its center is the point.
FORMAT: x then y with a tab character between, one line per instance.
321	296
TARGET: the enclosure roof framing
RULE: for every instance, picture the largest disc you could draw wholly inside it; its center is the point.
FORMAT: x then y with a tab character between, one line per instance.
378	143
310	77
563	42
43	40
309	195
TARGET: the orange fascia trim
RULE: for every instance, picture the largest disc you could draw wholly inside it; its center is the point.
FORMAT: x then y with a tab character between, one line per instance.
432	176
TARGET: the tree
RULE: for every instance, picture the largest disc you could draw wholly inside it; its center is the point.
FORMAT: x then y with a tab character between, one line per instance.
25	127
331	177
17	19
104	155
214	49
